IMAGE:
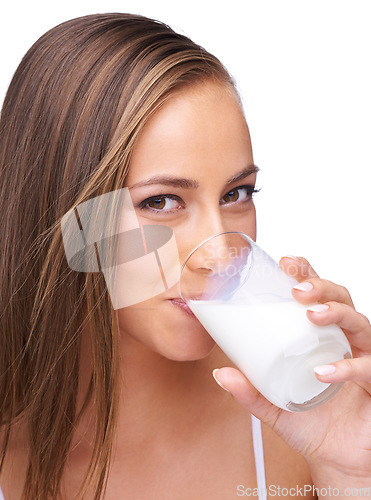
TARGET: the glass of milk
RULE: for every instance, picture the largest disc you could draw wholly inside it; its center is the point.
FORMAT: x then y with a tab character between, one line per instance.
243	299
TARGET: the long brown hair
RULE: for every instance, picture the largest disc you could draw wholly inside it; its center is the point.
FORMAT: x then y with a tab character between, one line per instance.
69	122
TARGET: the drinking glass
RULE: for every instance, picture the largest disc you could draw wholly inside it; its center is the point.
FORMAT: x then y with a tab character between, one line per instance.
243	299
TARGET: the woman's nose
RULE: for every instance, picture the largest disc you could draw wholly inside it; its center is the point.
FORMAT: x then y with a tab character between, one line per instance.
206	226
215	267
212	255
203	266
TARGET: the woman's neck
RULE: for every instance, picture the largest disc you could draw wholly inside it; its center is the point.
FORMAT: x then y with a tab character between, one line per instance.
158	396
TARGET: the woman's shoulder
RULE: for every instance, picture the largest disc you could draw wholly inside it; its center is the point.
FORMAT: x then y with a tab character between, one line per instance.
285	468
16	459
16	437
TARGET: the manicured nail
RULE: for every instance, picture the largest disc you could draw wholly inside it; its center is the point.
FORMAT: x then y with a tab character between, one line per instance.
217	381
291	257
304	287
319	308
325	369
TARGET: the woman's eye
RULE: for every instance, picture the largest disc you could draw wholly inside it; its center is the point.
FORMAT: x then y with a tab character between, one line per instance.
238	194
231	196
160	203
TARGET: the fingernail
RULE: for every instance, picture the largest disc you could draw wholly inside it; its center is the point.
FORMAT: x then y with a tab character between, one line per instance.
325	369
319	308
217	381
291	257
304	287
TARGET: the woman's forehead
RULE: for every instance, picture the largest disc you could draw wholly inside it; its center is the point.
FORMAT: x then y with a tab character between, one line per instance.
200	125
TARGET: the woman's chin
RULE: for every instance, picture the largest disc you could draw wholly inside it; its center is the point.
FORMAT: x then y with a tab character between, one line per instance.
186	350
173	332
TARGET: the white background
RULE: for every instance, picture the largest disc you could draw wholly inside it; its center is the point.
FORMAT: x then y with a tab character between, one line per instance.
304	71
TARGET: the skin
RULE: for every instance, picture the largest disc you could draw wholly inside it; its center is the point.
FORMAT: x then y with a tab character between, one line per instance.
174	421
209	141
200	134
335	438
179	434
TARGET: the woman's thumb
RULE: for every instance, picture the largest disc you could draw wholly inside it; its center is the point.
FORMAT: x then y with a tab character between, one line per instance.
233	381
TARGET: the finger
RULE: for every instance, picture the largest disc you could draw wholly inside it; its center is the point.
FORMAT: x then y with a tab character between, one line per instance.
297	267
356	369
355	325
245	393
319	290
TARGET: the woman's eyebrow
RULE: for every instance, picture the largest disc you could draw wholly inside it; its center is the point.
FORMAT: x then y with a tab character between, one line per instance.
184	183
179	182
251	169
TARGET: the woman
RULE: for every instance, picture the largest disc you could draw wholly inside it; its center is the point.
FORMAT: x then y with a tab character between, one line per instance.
121	403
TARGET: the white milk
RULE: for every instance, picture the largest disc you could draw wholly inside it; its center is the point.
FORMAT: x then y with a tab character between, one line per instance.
274	345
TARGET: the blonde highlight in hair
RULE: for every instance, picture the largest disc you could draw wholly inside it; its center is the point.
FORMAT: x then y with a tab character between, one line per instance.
69	123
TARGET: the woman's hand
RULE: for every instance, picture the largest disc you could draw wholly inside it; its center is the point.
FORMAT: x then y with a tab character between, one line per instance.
334	438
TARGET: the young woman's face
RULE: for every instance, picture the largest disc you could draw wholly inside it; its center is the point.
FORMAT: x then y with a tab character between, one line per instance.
192	169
